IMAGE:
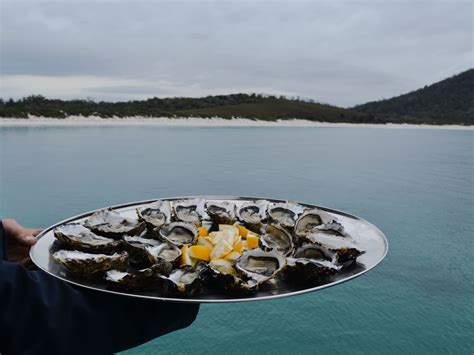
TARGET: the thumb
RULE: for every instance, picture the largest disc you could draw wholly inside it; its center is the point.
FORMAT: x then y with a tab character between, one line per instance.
27	240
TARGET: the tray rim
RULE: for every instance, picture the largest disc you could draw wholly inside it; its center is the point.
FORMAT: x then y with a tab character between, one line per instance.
210	301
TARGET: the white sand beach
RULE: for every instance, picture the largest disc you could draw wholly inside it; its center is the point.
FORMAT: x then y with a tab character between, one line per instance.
202	122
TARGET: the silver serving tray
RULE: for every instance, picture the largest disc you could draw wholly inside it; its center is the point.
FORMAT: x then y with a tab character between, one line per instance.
367	236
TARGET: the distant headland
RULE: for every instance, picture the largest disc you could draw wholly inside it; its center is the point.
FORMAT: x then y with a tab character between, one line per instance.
448	102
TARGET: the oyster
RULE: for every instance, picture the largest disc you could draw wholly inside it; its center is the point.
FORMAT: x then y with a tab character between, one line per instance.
164	252
225	278
189	211
155	214
136	247
285	214
76	236
90	265
346	252
110	223
185	280
277	238
142	279
252	214
221	212
260	265
177	233
311	219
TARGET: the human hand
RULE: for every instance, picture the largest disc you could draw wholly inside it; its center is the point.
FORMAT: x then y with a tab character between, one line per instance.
19	240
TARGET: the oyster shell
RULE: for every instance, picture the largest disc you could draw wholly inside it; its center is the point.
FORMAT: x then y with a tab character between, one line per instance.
177	233
221	212
346	251
76	236
142	279
312	219
277	238
163	252
260	265
285	214
253	214
110	223
225	278
90	265
186	280
136	247
189	211
155	214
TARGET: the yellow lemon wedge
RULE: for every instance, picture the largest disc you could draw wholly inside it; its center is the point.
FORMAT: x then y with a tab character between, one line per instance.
202	231
228	227
185	257
252	241
200	252
239	247
242	231
222	265
220	249
232	256
206	242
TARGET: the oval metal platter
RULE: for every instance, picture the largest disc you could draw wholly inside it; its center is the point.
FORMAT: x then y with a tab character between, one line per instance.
368	237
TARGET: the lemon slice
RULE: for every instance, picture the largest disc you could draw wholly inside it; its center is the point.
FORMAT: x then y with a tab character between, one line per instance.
252	241
242	231
222	248
200	252
185	257
206	242
202	231
222	265
239	246
232	256
228	227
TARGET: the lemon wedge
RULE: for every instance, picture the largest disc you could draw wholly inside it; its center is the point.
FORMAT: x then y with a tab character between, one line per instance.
252	241
220	249
200	252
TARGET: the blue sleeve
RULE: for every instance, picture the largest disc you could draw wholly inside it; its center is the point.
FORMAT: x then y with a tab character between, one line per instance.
44	315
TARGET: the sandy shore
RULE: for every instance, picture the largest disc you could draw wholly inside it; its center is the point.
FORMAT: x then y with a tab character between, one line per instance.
198	122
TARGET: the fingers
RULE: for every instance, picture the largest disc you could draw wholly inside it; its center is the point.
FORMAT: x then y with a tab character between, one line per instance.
26	239
35	232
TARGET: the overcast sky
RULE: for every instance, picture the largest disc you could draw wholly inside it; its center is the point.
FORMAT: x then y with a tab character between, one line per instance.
338	52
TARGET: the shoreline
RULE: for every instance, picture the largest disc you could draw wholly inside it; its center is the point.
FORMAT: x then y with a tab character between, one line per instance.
80	121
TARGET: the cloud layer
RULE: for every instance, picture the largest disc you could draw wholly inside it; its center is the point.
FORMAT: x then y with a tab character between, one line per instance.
340	52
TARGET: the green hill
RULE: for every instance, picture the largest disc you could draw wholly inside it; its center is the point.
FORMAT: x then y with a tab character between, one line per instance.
226	106
450	101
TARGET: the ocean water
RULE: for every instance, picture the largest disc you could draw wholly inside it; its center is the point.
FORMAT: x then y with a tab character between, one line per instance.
415	184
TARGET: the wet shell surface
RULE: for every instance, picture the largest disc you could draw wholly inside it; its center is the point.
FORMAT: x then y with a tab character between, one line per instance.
110	223
177	233
253	213
90	265
189	211
311	219
260	265
155	214
221	212
285	214
76	236
277	238
142	279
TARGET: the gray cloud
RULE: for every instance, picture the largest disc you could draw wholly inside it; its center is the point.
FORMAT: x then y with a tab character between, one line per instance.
340	52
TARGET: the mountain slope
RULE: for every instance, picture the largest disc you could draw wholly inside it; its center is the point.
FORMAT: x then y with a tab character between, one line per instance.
450	101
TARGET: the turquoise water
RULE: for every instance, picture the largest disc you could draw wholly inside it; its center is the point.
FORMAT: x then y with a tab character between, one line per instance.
415	184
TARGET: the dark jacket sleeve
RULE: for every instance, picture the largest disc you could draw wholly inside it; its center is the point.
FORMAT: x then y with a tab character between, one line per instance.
43	315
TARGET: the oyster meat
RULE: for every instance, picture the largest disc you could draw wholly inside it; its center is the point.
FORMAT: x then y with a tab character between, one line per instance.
189	211
110	223
186	280
76	236
155	214
163	252
90	265
136	247
260	265
177	233
277	238
253	214
312	219
346	251
221	212
285	214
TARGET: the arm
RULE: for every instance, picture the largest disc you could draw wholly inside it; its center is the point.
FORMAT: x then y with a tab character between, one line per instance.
41	314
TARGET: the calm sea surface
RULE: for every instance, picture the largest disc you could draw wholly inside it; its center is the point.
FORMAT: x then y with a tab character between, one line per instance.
415	184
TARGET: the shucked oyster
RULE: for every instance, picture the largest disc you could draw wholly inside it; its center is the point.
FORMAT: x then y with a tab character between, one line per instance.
155	214
346	252
163	252
110	223
277	238
253	213
148	278
189	211
312	219
177	233
186	280
285	214
90	265
221	212
136	247
224	277
76	236
260	265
